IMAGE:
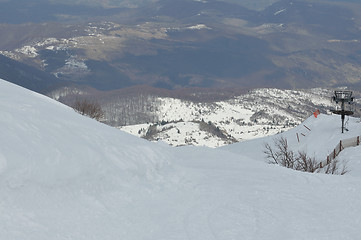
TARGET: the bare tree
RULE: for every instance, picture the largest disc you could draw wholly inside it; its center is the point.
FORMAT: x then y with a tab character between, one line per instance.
282	155
88	108
305	163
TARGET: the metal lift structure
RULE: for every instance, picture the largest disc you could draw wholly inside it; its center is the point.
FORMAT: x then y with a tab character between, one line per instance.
343	97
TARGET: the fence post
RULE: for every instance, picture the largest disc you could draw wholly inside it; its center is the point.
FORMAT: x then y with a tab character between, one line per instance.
298	137
340	145
321	165
328	160
307	128
358	140
334	153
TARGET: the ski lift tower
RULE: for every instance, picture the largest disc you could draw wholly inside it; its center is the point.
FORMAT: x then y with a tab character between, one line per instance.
343	97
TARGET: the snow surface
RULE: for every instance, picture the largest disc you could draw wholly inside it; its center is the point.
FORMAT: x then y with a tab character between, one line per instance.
317	137
259	113
198	27
65	176
280	11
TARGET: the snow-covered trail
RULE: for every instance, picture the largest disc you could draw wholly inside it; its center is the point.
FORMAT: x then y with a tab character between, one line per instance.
64	176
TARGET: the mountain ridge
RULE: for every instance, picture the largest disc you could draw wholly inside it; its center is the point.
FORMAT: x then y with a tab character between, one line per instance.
285	46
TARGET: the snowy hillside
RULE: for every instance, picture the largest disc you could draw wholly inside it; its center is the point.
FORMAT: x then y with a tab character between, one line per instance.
259	113
64	176
316	136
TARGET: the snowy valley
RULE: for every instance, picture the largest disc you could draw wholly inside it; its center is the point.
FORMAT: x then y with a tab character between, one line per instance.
65	176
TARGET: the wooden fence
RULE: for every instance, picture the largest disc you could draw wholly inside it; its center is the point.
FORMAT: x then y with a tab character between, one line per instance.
351	142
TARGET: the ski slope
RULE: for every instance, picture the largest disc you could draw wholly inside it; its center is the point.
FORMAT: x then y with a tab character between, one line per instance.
65	176
316	136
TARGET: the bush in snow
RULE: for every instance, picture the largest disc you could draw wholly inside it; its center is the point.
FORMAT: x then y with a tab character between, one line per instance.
281	154
90	109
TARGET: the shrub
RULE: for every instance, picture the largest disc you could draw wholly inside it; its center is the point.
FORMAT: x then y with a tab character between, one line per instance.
282	155
90	109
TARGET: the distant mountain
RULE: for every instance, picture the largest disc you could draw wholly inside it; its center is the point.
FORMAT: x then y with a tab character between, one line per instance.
258	113
205	117
176	44
188	9
28	76
41	11
320	18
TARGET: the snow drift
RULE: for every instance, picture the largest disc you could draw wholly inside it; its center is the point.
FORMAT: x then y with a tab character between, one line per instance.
64	176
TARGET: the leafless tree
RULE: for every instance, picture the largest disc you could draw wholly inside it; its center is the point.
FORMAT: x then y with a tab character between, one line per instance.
305	163
282	155
88	108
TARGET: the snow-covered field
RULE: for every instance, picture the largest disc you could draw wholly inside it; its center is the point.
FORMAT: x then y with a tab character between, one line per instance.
65	176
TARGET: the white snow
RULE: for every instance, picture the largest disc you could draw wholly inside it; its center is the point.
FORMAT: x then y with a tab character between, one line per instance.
259	113
28	51
198	27
278	12
317	136
65	176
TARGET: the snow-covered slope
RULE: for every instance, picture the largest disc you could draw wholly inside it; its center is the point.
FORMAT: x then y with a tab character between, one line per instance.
259	113
316	136
64	176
